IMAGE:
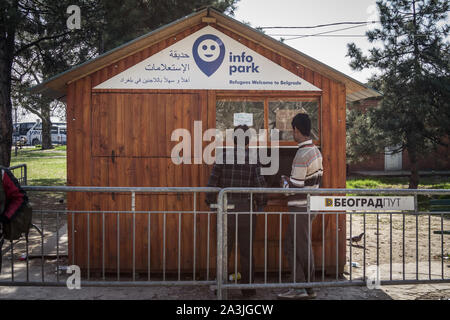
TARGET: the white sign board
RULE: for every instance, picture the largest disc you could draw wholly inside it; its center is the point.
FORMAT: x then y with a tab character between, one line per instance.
241	119
207	59
325	203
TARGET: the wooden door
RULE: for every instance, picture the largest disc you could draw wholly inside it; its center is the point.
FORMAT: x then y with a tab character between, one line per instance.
131	147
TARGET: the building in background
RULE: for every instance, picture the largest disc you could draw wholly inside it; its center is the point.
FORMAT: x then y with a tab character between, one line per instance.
435	161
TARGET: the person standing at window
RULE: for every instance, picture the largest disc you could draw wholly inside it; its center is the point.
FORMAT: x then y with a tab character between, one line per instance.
245	174
306	172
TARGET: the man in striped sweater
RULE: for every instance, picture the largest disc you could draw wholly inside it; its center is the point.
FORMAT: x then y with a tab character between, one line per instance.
306	172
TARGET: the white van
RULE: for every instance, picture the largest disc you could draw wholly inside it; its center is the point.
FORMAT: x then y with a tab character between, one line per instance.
58	133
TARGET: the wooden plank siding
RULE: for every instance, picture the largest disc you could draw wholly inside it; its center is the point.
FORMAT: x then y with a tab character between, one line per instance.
122	138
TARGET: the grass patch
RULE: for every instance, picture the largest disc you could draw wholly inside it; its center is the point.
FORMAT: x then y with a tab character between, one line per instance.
45	167
48	167
27	153
60	148
434	182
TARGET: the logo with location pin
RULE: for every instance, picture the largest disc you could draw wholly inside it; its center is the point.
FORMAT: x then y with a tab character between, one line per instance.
208	52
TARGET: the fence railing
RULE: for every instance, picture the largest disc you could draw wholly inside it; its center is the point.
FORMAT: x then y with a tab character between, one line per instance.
20	172
168	236
108	244
419	254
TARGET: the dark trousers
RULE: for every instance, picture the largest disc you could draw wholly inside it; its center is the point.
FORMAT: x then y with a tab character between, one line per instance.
302	243
243	245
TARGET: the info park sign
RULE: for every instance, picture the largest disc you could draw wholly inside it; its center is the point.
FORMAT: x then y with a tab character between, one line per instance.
207	59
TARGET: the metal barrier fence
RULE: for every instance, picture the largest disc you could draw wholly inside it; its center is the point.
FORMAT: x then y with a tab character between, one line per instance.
48	244
404	271
21	173
399	245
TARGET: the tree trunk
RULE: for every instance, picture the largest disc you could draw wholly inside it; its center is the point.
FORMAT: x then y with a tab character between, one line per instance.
46	128
8	19
412	146
5	115
6	128
414	178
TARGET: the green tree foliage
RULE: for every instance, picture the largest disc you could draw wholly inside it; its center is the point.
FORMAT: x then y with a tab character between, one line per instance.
123	21
41	56
35	43
363	138
413	59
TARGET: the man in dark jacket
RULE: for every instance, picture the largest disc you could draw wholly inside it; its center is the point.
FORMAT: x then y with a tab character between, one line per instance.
239	174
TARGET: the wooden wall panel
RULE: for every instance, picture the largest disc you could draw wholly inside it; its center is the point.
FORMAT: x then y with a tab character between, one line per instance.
78	164
126	125
145	160
129	168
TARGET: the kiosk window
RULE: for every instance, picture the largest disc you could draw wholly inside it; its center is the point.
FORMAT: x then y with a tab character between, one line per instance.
281	113
226	110
268	113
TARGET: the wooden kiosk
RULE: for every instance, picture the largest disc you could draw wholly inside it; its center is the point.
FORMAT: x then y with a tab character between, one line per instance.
123	106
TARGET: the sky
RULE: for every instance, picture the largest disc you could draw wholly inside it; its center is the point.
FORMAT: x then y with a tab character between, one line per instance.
329	50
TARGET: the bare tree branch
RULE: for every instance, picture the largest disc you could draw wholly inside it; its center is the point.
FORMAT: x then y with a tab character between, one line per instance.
31	44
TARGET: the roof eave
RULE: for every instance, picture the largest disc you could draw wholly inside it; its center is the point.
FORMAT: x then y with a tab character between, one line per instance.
318	66
56	86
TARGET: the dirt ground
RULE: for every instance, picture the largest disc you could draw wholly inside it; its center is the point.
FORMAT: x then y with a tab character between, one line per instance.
419	234
410	292
423	242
